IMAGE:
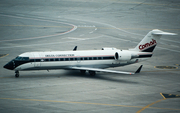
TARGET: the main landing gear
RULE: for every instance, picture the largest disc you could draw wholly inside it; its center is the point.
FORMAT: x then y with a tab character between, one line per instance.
92	73
83	71
17	74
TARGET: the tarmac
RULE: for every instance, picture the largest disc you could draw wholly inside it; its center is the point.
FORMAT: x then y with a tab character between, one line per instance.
39	25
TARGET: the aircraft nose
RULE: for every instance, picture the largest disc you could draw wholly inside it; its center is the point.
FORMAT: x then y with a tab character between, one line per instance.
9	66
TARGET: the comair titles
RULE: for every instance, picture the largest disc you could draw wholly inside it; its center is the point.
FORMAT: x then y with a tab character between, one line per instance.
153	42
60	55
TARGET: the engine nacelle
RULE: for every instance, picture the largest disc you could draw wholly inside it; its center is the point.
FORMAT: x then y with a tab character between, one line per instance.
123	55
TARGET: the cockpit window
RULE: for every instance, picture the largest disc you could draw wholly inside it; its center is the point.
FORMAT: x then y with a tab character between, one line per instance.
18	58
25	58
22	58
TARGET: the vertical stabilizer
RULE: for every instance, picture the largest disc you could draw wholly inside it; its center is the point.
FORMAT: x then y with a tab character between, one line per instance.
149	42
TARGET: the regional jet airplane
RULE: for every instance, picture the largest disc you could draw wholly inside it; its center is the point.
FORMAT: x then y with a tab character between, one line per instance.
88	60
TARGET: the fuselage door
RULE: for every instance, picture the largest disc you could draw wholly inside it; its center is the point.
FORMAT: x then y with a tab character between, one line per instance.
37	60
78	59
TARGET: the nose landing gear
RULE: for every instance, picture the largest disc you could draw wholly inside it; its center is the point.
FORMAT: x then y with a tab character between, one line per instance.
17	74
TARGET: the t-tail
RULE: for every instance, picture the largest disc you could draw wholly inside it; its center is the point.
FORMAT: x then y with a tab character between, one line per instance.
149	42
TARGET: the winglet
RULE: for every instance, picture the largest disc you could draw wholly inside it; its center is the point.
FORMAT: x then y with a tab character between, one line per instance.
139	69
75	48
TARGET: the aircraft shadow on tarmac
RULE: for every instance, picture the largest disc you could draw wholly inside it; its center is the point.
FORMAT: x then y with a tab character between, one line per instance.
101	76
74	73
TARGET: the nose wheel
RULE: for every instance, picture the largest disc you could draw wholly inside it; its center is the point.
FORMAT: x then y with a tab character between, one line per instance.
17	74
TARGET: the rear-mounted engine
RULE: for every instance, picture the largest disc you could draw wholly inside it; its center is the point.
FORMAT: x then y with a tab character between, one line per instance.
123	55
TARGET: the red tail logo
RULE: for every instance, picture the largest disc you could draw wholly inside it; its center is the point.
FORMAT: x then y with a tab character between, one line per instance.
147	44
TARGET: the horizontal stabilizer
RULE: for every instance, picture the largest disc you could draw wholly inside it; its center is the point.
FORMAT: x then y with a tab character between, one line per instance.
159	32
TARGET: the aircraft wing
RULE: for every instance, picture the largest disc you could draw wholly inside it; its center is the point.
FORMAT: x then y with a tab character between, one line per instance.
105	70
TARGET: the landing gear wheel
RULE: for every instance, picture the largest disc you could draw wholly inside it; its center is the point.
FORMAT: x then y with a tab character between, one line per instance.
83	71
17	74
92	73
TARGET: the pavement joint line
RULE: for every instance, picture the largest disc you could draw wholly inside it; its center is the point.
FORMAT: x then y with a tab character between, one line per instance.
145	3
43	19
38	44
142	29
33	26
162	70
6	77
102	104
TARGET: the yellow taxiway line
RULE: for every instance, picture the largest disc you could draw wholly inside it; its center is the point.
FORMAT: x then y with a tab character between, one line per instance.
102	104
4	55
149	106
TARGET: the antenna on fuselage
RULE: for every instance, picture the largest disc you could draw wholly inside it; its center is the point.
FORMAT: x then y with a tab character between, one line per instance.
75	48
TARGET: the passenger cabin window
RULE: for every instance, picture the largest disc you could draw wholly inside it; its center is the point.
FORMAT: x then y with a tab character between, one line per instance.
100	58
57	59
61	59
46	59
31	60
85	58
51	59
37	60
66	59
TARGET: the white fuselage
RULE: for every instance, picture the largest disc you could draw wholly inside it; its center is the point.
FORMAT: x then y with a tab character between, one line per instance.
67	59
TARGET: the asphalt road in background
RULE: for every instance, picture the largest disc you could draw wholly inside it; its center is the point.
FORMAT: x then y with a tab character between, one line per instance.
59	25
